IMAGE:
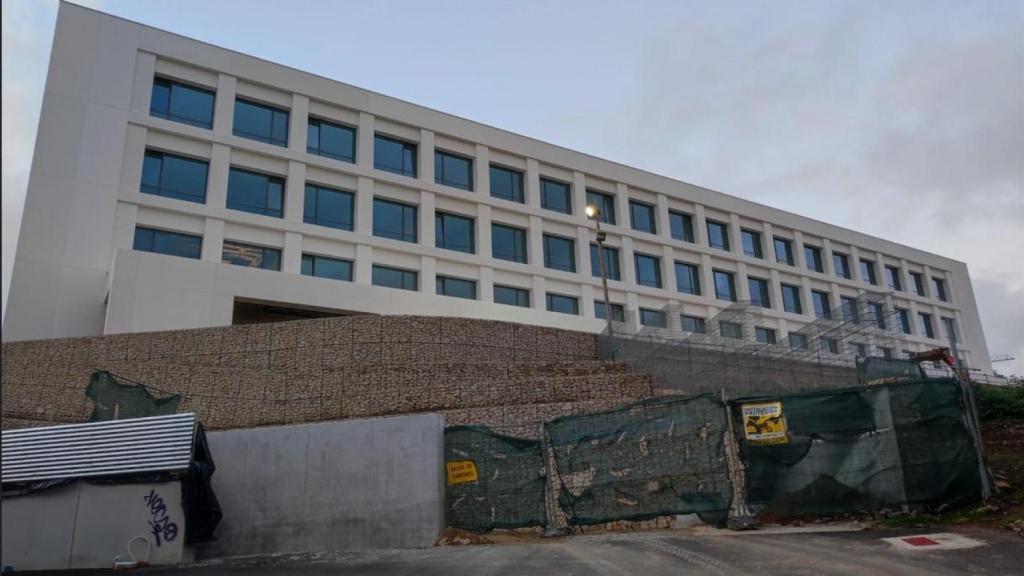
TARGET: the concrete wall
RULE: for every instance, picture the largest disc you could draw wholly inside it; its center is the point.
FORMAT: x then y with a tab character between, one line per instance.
334	486
86	525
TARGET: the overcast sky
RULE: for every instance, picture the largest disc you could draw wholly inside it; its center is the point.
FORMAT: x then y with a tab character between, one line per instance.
904	120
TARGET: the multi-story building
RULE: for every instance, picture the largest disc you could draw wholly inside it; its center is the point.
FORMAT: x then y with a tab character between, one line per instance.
177	184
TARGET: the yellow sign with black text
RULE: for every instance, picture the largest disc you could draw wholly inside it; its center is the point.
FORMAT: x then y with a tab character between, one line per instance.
764	423
461	471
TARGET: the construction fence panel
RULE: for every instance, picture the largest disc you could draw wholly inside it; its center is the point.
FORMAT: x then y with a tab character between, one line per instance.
653	458
492	480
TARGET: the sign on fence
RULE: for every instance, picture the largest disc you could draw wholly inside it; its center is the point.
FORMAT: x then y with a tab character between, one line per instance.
764	423
461	471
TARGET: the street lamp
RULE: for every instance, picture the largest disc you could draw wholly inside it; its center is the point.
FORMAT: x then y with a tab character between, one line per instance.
594	213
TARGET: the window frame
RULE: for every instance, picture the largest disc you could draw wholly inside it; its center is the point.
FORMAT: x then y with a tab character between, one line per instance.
826	312
518	291
789	257
868	266
693	273
273	110
550	297
618	311
658	280
171	84
764	287
316	219
893	278
731	277
153	232
160	189
265	210
314	258
318	151
756	247
645	207
546	239
441	235
407	146
645	312
817	260
402	236
518	194
685	225
544	195
697	321
846	273
265	250
939	289
613	262
441	282
771	337
405	274
797	292
440	156
517	233
725	244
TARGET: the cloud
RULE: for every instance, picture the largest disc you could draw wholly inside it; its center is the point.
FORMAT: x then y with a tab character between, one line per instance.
1002	315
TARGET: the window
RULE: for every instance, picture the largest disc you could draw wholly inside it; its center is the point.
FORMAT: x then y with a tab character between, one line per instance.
179	102
605	204
764	335
251	256
892	278
752	243
324	267
331	140
784	251
261	122
394	220
508	243
562	303
555	196
925	322
618	312
393	155
850	311
822	308
688	278
904	316
731	330
829	345
648	270
797	341
885	352
718	235
174	176
452	170
456	287
256	193
652	318
842	265
395	278
694	324
791	301
918	280
939	287
759	293
507	184
641	217
812	254
611	262
164	242
725	287
867	272
858	349
878	312
453	232
559	253
328	207
511	296
949	325
681	226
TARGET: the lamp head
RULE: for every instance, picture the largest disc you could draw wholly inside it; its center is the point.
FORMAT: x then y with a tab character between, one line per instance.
591	211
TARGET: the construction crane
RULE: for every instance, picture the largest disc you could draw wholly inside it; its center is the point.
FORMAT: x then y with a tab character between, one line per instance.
1001	358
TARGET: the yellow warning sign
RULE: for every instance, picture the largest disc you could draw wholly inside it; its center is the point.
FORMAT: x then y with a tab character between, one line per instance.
764	423
461	471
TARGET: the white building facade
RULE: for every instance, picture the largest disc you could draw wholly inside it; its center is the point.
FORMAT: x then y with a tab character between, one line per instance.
176	184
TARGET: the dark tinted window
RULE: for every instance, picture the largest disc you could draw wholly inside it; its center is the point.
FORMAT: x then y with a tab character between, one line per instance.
791	299
328	207
261	122
257	193
752	243
904	316
394	278
681	226
456	287
731	330
783	251
506	183
851	313
181	103
170	243
559	253
508	243
892	278
174	176
555	196
858	349
618	312
692	324
605	204
725	288
939	286
453	170
251	256
648	270
611	262
797	341
562	303
812	254
842	265
759	293
641	217
877	312
688	278
453	232
764	335
653	318
867	271
393	155
718	235
925	322
822	308
332	140
829	345
324	267
394	220
918	283
512	296
949	324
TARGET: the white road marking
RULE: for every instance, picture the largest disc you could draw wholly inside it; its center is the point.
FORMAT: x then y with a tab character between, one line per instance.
939	541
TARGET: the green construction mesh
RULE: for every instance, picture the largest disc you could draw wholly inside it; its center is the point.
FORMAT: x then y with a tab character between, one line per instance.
862	449
113	400
874	370
656	457
508	489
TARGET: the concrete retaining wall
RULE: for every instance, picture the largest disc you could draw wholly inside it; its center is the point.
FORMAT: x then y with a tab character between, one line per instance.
356	484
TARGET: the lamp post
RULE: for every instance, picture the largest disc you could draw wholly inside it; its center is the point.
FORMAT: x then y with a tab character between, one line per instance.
594	213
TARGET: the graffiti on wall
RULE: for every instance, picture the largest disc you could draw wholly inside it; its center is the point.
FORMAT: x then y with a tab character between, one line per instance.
160	525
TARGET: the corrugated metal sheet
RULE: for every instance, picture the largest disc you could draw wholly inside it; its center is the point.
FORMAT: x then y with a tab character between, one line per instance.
153	444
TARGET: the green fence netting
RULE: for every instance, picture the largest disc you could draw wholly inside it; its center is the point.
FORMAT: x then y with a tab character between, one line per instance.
858	449
113	400
493	480
652	458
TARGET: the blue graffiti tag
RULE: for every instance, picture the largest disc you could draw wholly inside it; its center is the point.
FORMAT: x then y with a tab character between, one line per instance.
160	525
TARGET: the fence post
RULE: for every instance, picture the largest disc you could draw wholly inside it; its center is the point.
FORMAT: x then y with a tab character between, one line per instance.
740	517
971	417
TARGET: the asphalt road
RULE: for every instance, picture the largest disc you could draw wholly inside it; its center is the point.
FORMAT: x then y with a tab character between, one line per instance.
649	553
